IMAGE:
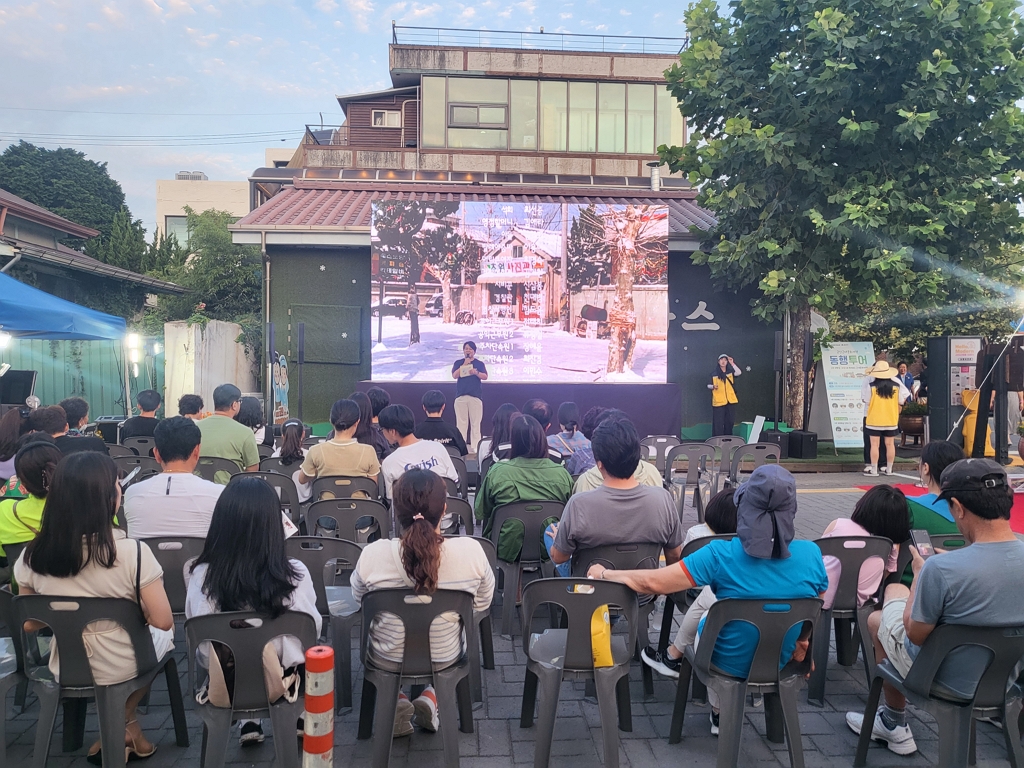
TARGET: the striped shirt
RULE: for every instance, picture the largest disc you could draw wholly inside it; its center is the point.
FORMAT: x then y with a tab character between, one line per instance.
463	568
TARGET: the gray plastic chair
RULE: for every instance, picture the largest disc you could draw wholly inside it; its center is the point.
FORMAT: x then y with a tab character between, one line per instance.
265	451
128	464
175	554
381	687
567	654
948	540
286	491
451	487
341	487
453	451
852	552
274	465
115	450
725	445
483	618
759	452
463	470
657	447
318	554
700	465
345	513
140	446
249	698
13	551
460	509
216	469
532	514
773	619
954	715
15	677
626	557
68	617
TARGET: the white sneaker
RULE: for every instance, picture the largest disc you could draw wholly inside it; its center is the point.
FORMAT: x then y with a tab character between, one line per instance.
899	740
425	711
870	471
887	470
403	718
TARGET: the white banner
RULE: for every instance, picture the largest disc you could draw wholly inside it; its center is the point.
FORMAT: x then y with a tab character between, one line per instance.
843	364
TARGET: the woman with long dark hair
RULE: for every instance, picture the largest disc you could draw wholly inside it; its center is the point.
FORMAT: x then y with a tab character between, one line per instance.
250	413
20	519
292	433
13	425
723	395
884	402
425	561
497	445
78	553
365	433
244	567
570	439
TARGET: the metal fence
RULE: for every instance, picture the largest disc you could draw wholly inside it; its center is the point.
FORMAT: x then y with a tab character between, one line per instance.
549	41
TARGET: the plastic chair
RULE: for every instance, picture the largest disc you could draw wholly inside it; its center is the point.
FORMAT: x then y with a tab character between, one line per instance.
68	617
483	620
214	468
381	687
309	442
12	675
286	491
626	557
773	619
146	465
697	467
175	554
249	698
453	451
559	654
485	464
460	509
265	451
318	554
954	715
116	450
140	446
660	445
948	541
274	465
345	513
725	445
13	551
451	487
759	452
341	487
460	467
852	552
532	514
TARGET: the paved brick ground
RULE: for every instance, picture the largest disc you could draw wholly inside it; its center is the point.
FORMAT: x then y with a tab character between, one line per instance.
498	740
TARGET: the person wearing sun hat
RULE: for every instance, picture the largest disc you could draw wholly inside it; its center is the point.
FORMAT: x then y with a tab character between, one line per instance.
886	395
723	395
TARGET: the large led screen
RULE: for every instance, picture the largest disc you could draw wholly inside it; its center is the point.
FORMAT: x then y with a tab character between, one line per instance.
547	291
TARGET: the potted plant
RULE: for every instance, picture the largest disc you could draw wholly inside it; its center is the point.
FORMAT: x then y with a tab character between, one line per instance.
912	421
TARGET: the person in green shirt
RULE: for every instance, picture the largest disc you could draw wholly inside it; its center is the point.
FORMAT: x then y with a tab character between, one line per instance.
225	438
20	519
929	511
529	475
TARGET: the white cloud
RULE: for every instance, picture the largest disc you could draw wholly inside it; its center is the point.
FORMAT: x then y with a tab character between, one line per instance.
326	6
420	11
360	10
114	16
203	41
624	12
178	7
565	15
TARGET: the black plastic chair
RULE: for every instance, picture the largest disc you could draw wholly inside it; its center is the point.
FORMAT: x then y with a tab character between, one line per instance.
274	465
773	619
453	451
216	469
114	450
175	554
309	442
660	445
700	465
451	683
682	599
286	491
758	452
567	654
948	540
341	487
13	551
626	557
145	464
460	509
954	715
249	697
483	620
852	552
265	451
346	513
532	514
460	467
68	618
140	446
319	555
12	678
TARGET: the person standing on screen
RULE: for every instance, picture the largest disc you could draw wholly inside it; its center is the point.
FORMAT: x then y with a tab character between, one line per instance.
723	395
468	373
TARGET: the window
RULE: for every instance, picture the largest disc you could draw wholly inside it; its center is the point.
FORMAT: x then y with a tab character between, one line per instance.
670	120
640	121
386	118
611	111
177	226
517	251
477	90
473	138
582	117
484	117
433	129
553	115
523	114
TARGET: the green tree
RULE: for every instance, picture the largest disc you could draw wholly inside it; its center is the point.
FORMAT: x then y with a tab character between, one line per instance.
853	155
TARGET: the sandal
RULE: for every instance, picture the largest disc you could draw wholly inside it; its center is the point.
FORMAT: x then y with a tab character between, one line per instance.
131	751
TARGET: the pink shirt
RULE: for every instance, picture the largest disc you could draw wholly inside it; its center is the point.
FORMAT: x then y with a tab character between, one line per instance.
871	572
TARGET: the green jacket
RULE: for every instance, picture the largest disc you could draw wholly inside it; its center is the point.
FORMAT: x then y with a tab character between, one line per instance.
514	480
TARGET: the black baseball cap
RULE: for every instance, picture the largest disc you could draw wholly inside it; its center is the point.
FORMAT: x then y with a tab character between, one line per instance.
971	475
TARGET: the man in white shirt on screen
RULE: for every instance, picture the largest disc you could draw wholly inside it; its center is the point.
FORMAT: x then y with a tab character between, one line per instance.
397	423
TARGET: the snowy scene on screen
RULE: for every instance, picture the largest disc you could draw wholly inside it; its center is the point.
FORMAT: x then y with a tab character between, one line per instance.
547	291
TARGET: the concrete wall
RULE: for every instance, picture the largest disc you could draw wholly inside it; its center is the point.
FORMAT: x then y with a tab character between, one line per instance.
172	196
199	360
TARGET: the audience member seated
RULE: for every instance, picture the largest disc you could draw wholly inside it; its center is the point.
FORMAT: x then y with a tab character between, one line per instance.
425	561
929	511
368	433
244	567
379	400
646	473
13	425
175	502
147	401
225	438
434	427
621	511
527	476
250	413
762	562
541	411
981	585
78	553
77	411
569	439
191	407
397	425
497	446
14	488
341	455
20	519
53	421
719	518
882	511
583	458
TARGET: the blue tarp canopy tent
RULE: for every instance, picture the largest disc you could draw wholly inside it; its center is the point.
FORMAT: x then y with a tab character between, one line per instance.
28	313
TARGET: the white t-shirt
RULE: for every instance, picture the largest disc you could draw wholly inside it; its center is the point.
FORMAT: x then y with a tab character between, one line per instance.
171	504
423	454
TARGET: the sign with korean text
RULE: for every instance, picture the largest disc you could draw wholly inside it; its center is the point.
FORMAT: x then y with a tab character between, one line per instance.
843	364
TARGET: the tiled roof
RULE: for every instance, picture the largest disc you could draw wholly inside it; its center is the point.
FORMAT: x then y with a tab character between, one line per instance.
32	212
319	205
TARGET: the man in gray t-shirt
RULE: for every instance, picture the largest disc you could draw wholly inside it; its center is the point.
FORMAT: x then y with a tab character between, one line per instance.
980	585
621	511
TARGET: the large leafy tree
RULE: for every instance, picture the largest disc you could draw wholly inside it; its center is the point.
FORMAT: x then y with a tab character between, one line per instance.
854	154
587	251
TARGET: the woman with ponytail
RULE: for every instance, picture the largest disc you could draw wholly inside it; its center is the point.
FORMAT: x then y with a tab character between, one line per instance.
424	561
342	454
34	465
571	438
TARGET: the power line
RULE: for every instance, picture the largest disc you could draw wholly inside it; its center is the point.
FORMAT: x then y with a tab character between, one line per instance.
156	114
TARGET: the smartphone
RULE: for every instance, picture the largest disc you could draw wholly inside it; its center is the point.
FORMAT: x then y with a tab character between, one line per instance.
923	541
129	477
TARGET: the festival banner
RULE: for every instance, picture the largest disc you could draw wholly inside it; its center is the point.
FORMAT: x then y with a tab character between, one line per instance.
843	364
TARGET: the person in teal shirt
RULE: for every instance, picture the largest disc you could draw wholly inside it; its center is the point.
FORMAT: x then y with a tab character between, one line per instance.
929	511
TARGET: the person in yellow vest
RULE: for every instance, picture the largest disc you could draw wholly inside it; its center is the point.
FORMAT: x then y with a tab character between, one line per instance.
723	395
969	399
885	398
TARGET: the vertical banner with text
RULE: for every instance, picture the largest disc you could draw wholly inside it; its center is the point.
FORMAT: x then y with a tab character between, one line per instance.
843	364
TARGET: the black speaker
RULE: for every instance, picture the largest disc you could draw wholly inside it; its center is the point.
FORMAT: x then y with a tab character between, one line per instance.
109	428
780	350
808	352
780	439
803	445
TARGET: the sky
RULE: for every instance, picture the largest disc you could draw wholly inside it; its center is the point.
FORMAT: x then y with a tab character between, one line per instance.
152	87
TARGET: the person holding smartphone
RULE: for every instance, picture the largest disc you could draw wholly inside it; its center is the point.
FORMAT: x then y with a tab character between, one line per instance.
468	373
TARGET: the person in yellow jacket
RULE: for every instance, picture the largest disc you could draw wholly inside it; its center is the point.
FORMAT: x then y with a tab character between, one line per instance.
723	395
34	465
884	398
